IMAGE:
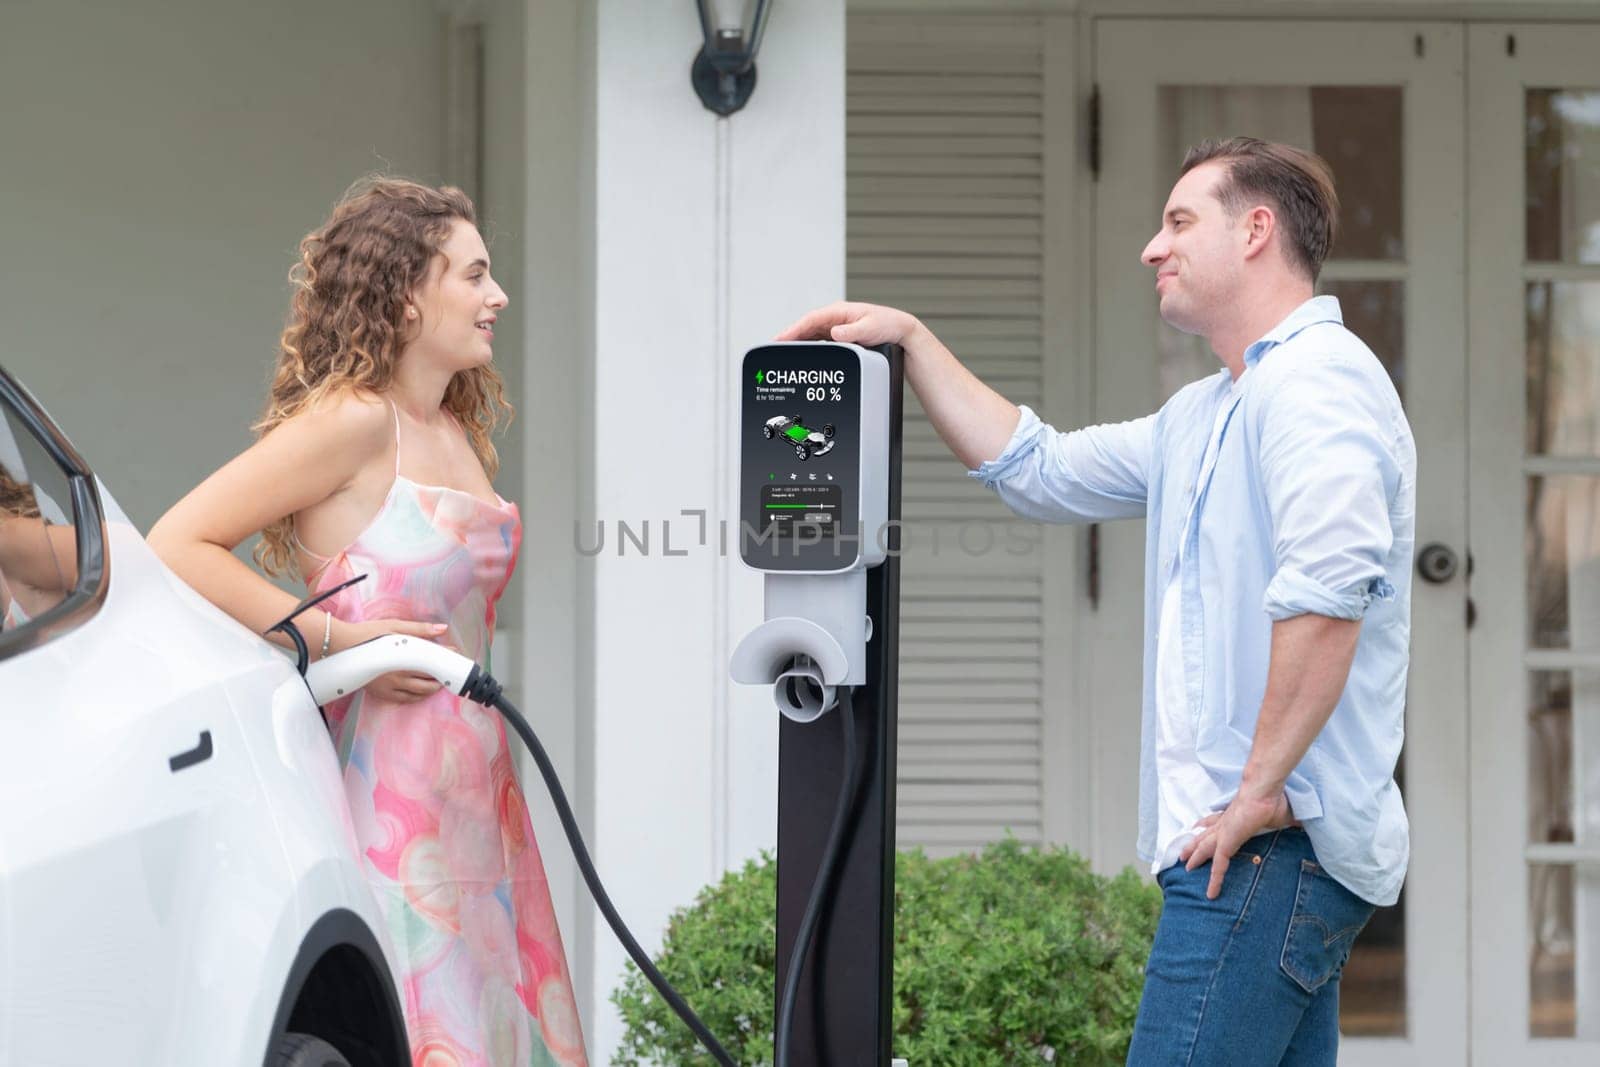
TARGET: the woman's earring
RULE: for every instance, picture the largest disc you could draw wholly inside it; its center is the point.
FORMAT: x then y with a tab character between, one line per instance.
411	312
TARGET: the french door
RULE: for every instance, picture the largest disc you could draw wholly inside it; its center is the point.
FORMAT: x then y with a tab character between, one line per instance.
1385	104
1533	447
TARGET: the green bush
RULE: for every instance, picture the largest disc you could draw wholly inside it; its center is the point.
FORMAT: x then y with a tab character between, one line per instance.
1018	955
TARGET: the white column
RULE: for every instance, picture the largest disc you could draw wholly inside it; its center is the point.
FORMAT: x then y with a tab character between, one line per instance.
551	121
709	235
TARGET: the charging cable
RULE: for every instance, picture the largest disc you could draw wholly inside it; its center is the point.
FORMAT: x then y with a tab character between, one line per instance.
483	689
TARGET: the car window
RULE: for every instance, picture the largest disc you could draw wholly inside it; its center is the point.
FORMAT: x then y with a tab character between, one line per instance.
42	592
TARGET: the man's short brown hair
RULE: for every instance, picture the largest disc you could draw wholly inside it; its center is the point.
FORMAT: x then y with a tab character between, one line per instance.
1297	183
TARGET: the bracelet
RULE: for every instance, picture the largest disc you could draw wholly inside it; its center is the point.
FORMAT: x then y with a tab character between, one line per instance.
327	634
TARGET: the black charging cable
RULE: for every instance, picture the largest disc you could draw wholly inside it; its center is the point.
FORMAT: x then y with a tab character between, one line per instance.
832	852
481	688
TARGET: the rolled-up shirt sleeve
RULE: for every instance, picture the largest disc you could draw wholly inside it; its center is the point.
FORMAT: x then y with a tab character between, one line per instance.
1329	474
1088	475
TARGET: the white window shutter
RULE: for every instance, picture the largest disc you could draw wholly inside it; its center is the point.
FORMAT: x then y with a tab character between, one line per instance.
946	219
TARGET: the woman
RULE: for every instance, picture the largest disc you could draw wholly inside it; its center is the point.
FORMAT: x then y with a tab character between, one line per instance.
374	458
38	558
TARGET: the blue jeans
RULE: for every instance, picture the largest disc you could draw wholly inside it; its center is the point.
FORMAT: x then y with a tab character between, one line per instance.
1253	976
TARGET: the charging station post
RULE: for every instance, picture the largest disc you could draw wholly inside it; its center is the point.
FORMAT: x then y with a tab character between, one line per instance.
820	448
844	1013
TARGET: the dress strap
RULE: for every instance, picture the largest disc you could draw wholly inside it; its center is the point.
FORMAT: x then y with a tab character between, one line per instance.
294	535
322	561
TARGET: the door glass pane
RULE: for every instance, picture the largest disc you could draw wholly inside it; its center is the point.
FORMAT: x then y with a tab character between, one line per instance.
1550	785
1563	971
1563	557
1564	809
1563	340
1356	128
1551	950
1562	128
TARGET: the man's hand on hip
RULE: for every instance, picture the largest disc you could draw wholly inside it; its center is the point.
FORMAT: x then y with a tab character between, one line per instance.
1221	833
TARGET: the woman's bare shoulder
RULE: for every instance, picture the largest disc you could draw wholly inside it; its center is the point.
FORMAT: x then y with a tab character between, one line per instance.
353	418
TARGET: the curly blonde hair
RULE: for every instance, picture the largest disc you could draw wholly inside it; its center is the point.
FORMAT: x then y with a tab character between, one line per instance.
16	498
345	320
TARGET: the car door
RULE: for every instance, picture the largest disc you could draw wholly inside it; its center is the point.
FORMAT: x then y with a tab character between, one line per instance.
142	881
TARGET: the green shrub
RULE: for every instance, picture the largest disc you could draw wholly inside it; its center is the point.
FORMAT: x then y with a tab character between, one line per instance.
1018	955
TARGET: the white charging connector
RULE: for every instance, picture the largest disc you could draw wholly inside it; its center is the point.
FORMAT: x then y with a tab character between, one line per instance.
341	675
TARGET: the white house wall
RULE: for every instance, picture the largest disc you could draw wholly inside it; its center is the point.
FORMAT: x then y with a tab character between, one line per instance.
161	161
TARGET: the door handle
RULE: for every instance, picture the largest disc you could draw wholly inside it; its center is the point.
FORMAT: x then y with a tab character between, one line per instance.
198	754
1437	563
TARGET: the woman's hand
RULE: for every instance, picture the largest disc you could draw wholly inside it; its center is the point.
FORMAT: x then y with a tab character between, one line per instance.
397	687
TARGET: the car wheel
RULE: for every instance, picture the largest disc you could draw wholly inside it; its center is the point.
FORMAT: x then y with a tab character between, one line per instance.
827	430
303	1050
800	450
766	431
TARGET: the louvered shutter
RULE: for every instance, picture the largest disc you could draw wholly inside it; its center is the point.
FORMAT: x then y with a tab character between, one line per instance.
945	200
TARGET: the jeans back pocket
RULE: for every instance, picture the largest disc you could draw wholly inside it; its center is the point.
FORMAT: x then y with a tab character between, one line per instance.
1326	919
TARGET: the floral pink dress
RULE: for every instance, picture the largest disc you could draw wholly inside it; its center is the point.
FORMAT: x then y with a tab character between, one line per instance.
439	816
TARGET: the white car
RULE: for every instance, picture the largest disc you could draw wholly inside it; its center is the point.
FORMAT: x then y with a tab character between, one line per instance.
179	878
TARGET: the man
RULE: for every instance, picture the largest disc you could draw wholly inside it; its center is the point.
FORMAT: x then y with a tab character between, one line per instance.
1280	499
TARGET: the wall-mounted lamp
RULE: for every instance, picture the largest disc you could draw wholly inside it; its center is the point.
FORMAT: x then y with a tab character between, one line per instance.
724	71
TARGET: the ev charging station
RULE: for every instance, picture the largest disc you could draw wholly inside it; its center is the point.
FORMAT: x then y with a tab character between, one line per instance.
819	491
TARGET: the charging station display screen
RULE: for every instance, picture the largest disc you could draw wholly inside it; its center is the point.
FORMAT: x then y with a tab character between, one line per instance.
800	449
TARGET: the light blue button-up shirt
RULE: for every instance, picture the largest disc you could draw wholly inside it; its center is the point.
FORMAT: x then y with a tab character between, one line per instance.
1309	508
